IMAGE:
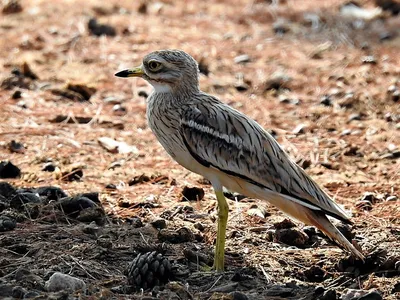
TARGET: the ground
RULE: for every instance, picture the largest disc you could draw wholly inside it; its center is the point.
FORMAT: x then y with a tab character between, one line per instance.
324	83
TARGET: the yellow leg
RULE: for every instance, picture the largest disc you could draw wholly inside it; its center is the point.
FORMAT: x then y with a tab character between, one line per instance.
223	211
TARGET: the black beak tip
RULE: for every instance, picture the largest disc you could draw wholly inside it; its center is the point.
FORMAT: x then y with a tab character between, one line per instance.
123	73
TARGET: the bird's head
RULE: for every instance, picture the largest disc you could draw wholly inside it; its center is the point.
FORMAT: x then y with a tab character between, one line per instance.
167	71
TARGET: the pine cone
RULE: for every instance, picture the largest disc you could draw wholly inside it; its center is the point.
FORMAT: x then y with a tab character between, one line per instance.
148	270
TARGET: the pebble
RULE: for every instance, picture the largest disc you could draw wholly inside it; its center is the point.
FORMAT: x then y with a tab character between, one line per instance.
6	189
11	7
73	205
159	224
257	211
63	282
285	224
98	29
192	194
181	235
328	295
242	59
49	167
9	170
16	147
291	237
7	223
20	200
314	274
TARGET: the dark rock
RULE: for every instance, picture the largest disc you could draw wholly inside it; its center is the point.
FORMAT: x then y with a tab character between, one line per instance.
396	288
310	231
100	29
49	167
82	89
4	203
111	186
7	190
74	174
238	296
7	223
16	147
6	290
199	226
328	295
72	206
11	7
314	274
139	179
29	280
319	290
374	295
135	222
143	93
9	170
280	291
291	237
20	200
94	196
50	192
159	224
18	292
389	5
93	214
326	100
142	9
181	235
148	270
285	224
192	194
16	95
32	295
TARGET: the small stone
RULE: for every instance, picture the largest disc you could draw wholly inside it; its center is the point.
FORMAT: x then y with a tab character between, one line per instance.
310	231
63	282
199	226
7	190
73	205
326	100
369	59
328	295
396	288
119	110
291	237
257	211
280	27
9	170
238	296
300	129
374	295
159	224
11	7
242	59
314	274
7	223
363	205
285	224
192	194
16	147
354	117
111	186
278	81
49	167
143	93
98	29
181	235
391	198
18	292
20	200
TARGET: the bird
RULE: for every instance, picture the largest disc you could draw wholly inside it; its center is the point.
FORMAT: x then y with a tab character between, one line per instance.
231	150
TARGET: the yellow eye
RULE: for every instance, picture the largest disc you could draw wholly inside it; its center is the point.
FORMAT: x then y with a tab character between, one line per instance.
154	65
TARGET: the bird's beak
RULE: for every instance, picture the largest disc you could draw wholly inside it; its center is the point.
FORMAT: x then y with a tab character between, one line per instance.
135	72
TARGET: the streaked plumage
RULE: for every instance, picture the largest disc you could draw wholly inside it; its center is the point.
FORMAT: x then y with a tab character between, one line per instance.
212	139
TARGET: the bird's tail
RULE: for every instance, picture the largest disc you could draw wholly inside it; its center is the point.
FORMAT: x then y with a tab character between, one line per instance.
308	216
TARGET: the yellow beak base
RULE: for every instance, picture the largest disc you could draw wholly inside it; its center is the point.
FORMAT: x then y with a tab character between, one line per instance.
135	72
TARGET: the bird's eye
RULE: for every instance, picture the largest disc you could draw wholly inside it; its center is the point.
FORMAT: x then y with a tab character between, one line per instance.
154	65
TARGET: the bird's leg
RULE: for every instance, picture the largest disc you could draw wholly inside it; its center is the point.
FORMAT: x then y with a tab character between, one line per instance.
223	211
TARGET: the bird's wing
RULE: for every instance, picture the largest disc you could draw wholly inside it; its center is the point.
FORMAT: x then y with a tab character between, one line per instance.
218	136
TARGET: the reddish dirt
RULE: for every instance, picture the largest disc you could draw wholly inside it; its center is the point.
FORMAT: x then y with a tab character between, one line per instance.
349	147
